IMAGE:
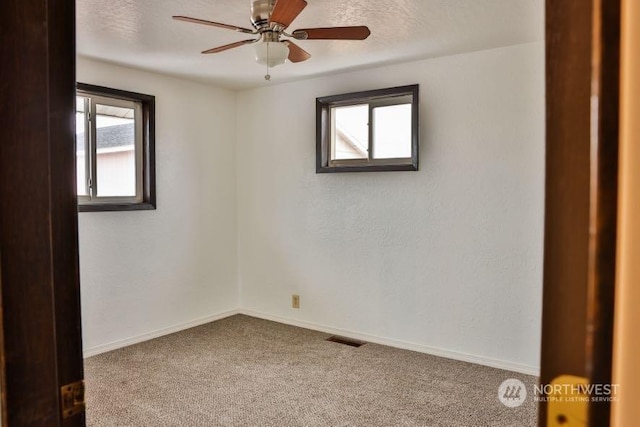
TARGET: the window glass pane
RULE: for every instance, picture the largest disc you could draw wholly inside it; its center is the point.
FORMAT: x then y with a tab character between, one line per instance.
350	132
392	132
81	158
115	151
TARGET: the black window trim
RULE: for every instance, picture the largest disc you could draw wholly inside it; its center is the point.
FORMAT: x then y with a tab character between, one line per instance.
323	131
148	149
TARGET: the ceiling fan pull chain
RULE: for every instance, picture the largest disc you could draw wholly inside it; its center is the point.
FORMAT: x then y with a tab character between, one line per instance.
267	76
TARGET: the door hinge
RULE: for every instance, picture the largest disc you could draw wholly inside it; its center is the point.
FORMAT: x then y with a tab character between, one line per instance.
568	402
72	399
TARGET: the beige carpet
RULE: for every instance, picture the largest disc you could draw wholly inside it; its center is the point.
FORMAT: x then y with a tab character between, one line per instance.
243	371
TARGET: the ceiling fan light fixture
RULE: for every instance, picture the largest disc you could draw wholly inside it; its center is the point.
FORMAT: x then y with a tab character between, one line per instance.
271	53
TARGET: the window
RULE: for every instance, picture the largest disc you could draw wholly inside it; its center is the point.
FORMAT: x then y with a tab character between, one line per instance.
368	131
115	164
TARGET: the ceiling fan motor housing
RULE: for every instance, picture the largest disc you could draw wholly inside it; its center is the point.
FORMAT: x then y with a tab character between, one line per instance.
261	12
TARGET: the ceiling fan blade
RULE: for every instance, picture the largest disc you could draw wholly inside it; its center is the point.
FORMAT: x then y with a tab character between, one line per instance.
296	53
230	46
212	24
332	33
285	11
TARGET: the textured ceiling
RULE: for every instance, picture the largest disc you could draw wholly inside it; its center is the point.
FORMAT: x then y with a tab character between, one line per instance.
141	33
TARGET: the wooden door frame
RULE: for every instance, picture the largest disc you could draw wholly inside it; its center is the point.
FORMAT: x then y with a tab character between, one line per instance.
38	216
38	211
582	75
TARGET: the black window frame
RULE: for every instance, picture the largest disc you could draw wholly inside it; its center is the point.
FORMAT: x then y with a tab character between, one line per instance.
148	103
377	97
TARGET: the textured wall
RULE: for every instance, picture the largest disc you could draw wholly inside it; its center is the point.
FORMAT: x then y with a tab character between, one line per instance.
449	257
145	271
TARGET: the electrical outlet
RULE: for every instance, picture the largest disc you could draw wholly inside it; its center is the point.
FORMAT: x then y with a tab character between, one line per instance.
295	301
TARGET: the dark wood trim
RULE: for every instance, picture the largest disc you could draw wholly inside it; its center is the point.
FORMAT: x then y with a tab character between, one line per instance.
323	128
63	212
568	88
115	93
367	168
38	220
148	150
605	98
368	95
115	207
3	383
322	135
582	66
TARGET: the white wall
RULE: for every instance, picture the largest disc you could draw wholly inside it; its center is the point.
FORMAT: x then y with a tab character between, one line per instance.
447	259
142	272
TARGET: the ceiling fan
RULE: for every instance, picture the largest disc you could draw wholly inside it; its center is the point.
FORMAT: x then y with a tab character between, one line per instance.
270	19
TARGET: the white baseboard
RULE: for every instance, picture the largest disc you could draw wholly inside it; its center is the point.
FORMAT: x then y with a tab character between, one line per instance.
103	348
449	354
